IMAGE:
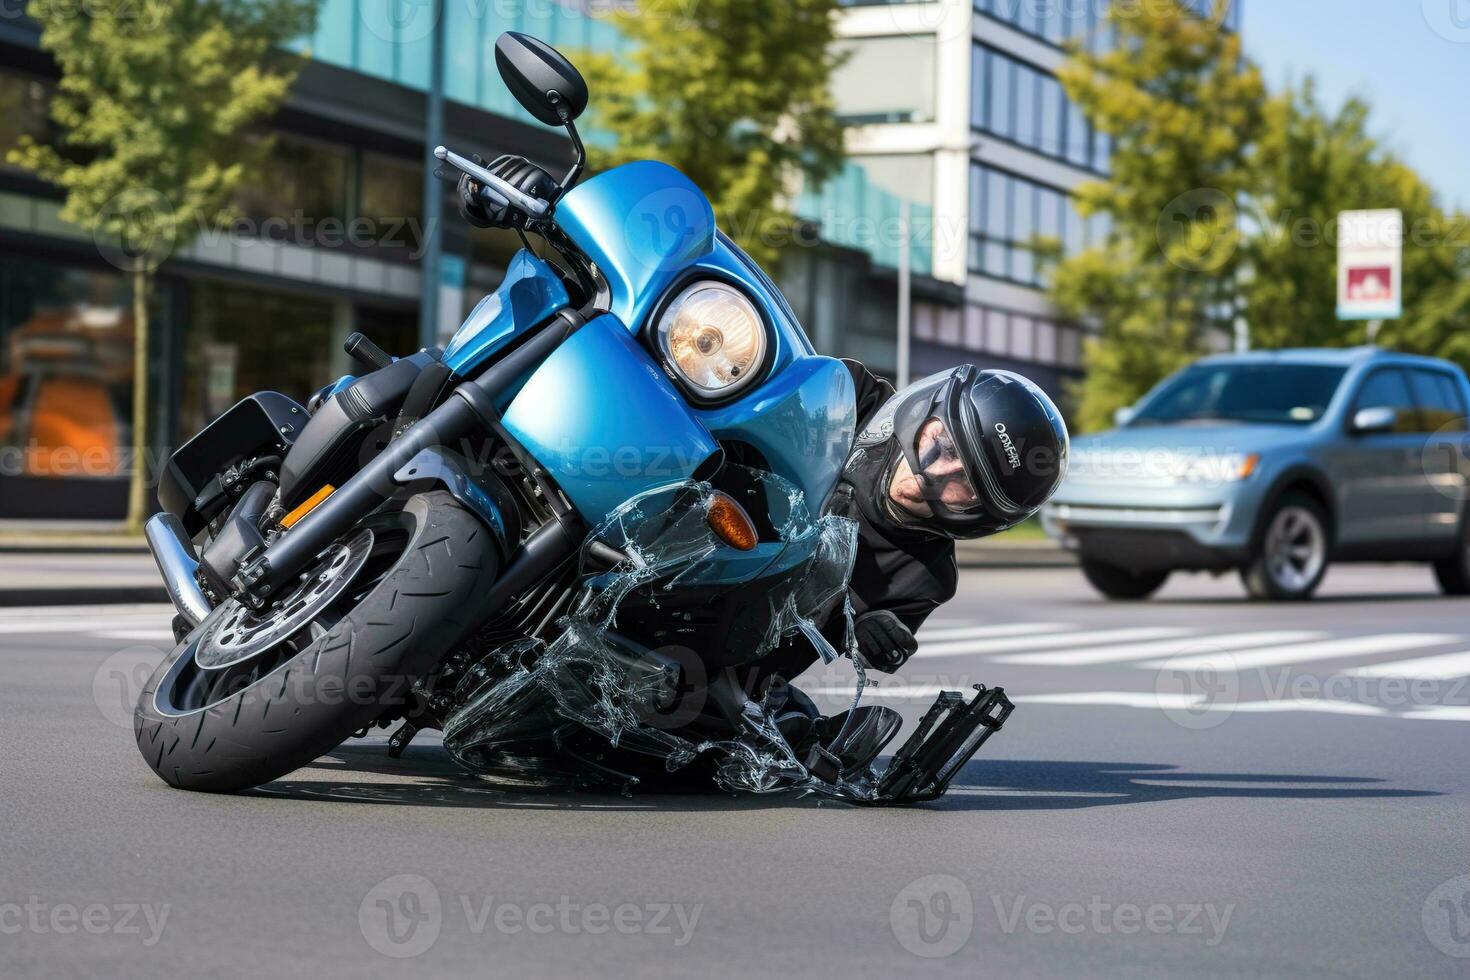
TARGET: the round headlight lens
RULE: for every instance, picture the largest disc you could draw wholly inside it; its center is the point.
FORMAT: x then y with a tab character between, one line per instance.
713	336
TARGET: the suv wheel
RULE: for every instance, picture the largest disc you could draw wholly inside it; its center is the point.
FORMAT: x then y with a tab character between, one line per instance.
1454	573
1291	559
1122	583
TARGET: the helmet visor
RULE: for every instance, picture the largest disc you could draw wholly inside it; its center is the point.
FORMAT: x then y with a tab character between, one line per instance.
941	476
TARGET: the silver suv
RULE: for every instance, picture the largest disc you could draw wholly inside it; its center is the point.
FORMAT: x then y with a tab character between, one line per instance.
1275	464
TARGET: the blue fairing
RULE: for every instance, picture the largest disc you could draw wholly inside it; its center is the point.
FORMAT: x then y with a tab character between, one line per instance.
605	422
530	294
602	415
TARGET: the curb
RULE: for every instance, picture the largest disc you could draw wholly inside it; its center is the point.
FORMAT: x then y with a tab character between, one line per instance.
101	595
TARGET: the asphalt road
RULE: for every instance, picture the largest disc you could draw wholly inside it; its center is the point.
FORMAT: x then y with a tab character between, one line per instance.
1197	786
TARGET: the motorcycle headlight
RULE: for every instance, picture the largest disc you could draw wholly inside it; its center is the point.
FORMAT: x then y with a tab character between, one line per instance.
714	338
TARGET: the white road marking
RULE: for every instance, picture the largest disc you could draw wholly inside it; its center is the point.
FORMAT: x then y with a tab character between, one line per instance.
141	636
1004	644
1442	668
1140	651
1357	646
78	625
927	635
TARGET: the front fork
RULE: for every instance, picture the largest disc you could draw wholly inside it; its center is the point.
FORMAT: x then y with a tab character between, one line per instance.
471	408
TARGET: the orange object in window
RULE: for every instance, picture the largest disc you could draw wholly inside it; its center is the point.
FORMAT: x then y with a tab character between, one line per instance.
73	430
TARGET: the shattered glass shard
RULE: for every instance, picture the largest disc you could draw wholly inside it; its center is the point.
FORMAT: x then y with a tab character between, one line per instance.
591	704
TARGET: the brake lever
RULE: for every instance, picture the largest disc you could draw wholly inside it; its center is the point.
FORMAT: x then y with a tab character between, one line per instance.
506	192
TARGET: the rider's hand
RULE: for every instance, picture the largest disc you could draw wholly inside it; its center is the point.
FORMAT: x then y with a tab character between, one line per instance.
471	206
884	642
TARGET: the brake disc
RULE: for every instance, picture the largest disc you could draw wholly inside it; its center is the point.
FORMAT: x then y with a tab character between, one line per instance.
242	632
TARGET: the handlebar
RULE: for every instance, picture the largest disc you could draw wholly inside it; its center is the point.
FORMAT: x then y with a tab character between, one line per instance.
498	191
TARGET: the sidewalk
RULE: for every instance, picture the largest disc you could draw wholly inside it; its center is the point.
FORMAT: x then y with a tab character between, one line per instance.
98	568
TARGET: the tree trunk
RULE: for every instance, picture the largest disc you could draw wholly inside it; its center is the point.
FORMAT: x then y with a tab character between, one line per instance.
138	475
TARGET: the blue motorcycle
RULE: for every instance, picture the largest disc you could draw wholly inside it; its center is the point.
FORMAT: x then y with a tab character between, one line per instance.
556	540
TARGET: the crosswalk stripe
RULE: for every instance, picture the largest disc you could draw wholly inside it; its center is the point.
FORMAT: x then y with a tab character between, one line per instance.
140	636
1441	668
73	625
1006	644
1356	646
1088	656
982	632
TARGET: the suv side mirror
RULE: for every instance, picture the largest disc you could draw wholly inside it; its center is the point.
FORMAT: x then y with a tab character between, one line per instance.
1124	415
1372	420
547	85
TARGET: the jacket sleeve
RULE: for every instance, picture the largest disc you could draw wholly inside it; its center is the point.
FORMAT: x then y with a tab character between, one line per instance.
872	391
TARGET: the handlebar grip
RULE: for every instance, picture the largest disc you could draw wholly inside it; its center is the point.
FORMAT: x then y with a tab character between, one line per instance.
366	353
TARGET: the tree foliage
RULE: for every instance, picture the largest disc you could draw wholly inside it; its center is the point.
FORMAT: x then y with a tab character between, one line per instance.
734	93
1224	203
1183	107
152	112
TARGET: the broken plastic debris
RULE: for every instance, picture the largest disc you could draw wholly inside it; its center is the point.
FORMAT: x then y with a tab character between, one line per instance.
589	705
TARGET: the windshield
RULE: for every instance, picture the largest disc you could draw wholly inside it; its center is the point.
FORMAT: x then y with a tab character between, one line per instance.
1273	394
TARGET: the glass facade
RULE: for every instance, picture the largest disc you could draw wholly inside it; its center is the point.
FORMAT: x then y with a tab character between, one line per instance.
1001	333
1025	105
66	389
1058	22
391	39
1009	213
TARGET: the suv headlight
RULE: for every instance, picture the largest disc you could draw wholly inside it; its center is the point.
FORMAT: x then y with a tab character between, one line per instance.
714	338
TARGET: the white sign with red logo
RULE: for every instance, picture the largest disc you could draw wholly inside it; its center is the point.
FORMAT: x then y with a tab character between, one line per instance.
1370	265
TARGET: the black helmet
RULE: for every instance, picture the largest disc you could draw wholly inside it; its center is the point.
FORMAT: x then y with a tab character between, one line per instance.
961	454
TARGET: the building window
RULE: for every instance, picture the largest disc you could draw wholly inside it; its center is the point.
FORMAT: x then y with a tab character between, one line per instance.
1008	214
392	201
66	390
303	180
886	80
1001	334
1054	21
24	111
1022	104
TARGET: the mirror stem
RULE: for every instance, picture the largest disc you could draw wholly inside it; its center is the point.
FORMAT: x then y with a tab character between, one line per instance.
575	173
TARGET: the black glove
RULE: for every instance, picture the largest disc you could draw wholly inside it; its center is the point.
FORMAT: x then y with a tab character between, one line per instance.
471	205
884	643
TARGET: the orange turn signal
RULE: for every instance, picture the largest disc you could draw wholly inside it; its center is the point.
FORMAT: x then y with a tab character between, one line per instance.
308	505
730	522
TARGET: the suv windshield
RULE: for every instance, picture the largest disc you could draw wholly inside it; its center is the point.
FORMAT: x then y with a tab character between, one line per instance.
1275	394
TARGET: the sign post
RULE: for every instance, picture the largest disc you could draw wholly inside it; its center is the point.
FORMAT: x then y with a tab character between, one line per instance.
1370	267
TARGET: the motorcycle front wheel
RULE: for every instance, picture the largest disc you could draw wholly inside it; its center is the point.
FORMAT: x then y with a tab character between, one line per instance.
249	697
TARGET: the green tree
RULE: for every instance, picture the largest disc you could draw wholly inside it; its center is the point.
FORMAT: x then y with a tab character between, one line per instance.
153	109
1183	107
734	93
1310	166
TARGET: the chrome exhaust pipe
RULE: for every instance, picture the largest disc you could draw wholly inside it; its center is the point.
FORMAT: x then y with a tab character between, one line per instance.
177	563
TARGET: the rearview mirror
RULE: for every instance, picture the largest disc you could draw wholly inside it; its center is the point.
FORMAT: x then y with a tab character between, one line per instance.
1371	420
547	85
1124	415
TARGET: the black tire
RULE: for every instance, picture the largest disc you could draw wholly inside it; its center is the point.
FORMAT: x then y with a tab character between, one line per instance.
1299	525
343	680
1123	583
1454	573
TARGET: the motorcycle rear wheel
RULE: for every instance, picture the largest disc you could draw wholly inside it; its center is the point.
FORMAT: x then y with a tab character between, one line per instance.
240	724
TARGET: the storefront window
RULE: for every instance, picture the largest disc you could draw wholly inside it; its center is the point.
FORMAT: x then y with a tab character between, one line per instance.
23	112
392	202
238	341
66	380
304	181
